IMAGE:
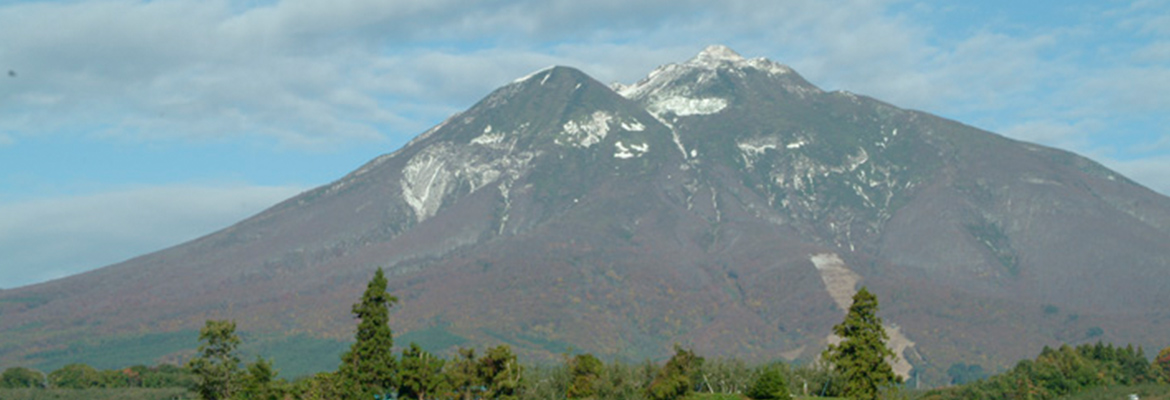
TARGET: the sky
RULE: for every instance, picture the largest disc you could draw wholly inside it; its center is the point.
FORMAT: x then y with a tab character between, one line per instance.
128	126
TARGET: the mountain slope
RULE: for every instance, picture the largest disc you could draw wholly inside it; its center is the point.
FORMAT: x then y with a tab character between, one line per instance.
723	202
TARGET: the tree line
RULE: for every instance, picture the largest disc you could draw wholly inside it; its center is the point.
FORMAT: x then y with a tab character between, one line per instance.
370	370
1064	371
858	367
81	376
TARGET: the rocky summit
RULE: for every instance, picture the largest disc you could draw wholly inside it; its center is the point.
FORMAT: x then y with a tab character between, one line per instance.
723	203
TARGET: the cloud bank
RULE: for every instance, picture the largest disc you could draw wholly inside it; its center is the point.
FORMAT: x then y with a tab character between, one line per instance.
306	73
48	239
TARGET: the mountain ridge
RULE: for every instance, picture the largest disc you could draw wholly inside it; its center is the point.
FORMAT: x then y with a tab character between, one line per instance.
722	202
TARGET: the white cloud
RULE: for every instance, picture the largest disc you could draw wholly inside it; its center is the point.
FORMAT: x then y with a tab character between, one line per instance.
188	69
309	73
52	238
6	140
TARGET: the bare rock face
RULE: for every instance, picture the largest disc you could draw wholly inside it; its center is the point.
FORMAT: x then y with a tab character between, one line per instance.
723	203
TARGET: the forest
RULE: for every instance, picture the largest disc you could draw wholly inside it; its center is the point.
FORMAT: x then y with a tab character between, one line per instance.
857	368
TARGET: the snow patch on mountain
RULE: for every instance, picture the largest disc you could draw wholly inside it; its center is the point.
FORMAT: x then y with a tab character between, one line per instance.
423	182
525	78
683	106
443	169
703	68
769	66
713	55
751	149
588	132
631	151
634	126
488	139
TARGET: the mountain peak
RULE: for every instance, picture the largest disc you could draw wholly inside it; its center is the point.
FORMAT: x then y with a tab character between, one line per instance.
556	213
687	78
715	54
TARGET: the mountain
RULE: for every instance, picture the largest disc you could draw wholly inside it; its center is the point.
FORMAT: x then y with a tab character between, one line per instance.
722	203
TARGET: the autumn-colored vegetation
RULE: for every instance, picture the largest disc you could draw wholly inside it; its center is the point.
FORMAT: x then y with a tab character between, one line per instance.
857	367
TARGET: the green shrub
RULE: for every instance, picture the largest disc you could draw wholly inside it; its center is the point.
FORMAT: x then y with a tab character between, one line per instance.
21	377
770	385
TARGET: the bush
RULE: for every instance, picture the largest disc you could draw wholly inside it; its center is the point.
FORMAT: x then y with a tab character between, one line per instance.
770	385
21	377
75	376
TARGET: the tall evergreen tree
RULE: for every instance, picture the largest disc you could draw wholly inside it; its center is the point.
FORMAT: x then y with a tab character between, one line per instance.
368	367
861	356
217	365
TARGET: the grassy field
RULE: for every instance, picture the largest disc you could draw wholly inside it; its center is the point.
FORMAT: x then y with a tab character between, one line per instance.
98	394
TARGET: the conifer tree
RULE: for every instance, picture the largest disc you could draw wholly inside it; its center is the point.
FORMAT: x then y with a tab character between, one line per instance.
861	356
421	375
368	367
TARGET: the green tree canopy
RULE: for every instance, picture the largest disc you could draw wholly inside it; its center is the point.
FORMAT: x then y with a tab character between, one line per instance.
217	365
677	378
21	377
501	373
317	387
368	367
862	355
75	376
962	373
259	382
770	385
1059	372
1160	368
463	374
421	374
584	372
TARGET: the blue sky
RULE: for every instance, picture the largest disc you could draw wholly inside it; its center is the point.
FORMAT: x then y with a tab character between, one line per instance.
130	126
